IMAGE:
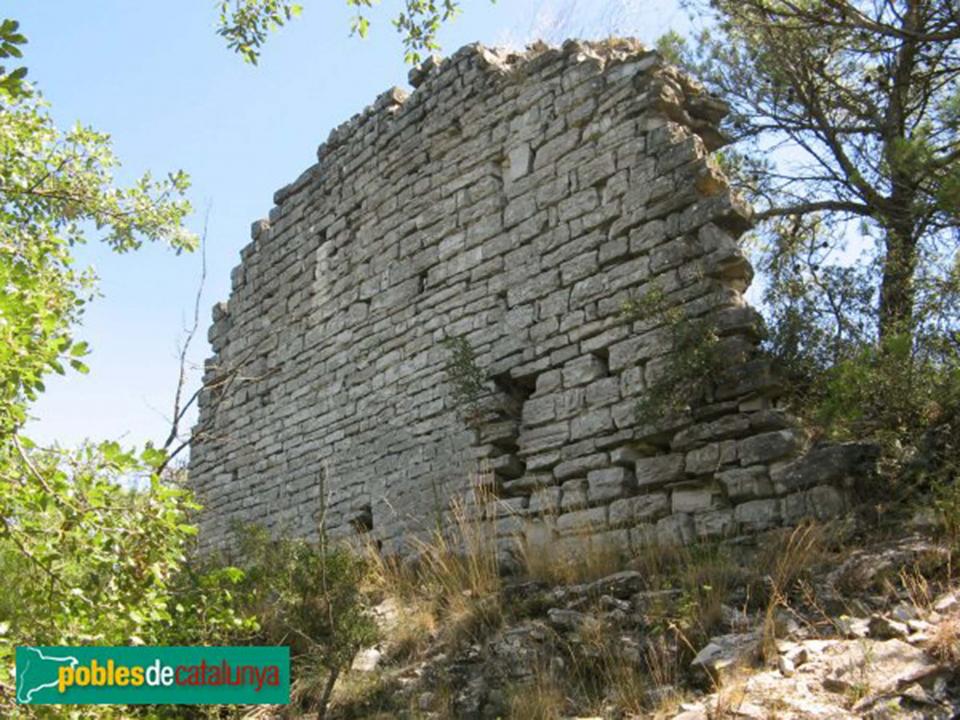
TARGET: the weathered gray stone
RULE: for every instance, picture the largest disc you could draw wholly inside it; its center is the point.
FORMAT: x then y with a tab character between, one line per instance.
715	525
609	484
640	509
658	470
694	497
758	515
573	495
591	520
819	503
769	446
578	467
746	483
582	371
710	458
675	530
825	464
545	501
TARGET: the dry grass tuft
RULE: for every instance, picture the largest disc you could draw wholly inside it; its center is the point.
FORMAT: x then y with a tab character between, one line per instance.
591	561
452	587
783	566
543	699
945	642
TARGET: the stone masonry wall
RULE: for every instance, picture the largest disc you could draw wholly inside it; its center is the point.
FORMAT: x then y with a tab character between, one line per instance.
517	201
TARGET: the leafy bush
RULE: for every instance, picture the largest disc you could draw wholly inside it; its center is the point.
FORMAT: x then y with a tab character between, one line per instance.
695	360
888	391
307	596
93	552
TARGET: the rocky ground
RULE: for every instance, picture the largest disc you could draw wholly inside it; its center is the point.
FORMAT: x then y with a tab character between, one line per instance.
799	626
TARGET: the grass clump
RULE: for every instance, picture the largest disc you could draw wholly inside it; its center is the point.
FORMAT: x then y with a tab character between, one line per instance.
451	587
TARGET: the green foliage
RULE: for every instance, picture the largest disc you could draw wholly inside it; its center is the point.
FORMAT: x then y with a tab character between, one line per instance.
307	596
887	392
466	379
946	501
11	83
246	24
55	187
695	360
845	112
846	117
206	607
92	539
86	558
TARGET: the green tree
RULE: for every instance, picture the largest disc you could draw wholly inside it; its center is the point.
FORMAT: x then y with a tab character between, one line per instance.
246	24
85	559
56	191
846	116
307	596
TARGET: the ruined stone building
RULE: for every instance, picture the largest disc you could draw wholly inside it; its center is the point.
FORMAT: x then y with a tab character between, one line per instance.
519	207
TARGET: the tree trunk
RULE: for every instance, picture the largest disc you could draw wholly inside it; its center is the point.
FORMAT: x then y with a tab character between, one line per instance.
897	291
327	692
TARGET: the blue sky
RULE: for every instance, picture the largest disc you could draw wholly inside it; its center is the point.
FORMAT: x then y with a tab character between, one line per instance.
157	78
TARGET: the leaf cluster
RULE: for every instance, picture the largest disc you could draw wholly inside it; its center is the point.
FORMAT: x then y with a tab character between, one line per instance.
695	357
467	380
246	24
56	190
12	82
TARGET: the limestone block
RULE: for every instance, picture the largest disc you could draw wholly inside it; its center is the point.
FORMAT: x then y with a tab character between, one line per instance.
520	161
590	423
711	457
639	509
609	484
545	501
675	530
715	525
579	466
610	542
573	495
746	483
583	370
579	521
658	470
694	497
824	502
770	446
757	515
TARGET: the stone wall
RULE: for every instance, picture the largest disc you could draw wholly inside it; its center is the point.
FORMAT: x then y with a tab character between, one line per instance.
519	202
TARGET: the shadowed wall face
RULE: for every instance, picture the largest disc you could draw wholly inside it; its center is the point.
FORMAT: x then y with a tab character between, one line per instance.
517	203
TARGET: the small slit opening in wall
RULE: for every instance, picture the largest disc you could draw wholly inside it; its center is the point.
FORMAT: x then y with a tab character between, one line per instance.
516	390
362	521
422	282
603	355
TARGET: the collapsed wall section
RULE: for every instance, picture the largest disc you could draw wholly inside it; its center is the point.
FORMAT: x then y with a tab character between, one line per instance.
517	203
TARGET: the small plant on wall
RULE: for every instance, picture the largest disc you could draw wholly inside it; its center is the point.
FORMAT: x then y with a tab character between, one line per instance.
695	358
466	379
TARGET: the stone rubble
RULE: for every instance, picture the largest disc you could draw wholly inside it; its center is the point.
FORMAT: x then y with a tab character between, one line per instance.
848	667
